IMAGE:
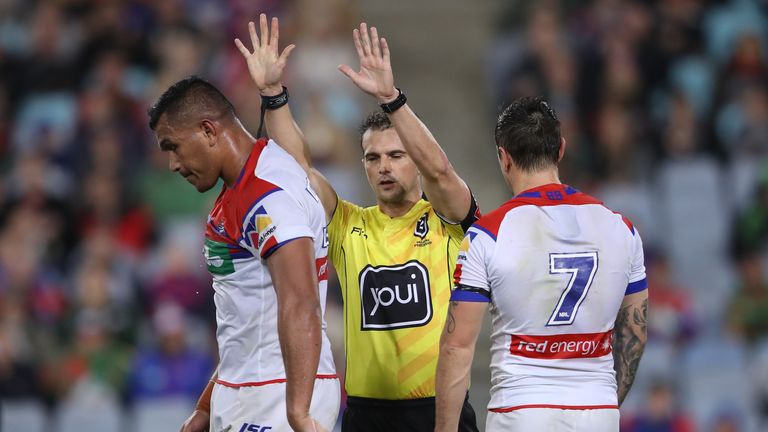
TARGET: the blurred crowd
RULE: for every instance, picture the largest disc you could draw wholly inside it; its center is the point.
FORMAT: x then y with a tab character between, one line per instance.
105	304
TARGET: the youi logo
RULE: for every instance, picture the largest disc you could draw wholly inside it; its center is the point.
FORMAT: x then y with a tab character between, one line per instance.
394	297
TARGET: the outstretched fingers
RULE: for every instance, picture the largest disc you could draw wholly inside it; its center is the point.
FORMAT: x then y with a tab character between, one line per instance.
243	50
366	38
254	36
286	52
275	33
358	44
375	43
264	30
348	71
385	50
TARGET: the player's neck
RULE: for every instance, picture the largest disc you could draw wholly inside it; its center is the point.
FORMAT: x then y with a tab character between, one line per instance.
524	181
237	147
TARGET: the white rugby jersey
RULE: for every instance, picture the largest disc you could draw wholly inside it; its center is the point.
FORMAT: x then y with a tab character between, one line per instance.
555	265
270	204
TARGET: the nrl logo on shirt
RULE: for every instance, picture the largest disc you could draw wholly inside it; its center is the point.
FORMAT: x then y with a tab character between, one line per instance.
422	227
421	231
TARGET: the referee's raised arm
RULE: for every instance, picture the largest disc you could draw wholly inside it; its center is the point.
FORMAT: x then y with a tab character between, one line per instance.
447	192
265	66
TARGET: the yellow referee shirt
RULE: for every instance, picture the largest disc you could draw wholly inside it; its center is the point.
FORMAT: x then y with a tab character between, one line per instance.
396	276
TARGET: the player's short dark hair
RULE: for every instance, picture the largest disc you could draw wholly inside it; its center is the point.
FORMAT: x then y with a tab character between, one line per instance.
190	95
529	131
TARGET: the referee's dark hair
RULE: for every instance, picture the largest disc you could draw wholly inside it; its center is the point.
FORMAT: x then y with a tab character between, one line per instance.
529	131
376	121
192	95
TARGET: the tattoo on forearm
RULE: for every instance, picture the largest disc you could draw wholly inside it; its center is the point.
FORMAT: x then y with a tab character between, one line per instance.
630	334
450	324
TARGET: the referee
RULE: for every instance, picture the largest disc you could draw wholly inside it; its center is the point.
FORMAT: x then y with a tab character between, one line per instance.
395	260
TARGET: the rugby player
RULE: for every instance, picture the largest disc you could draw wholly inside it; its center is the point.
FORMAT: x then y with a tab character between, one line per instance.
566	279
266	249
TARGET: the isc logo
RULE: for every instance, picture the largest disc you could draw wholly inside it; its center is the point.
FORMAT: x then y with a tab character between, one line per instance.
395	296
254	428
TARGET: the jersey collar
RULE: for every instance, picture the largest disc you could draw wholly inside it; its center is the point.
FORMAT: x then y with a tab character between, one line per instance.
253	159
541	191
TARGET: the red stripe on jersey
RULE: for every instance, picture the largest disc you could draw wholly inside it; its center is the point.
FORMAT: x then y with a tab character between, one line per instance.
233	203
253	159
321	264
627	222
565	407
563	346
268	245
457	274
250	188
226	219
263	383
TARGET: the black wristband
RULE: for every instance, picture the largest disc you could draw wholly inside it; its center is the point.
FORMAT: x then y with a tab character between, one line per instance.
276	101
396	104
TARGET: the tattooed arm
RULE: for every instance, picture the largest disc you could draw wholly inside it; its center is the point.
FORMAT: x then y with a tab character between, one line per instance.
629	336
457	347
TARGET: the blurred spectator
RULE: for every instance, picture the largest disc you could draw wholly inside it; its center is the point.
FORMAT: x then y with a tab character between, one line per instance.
620	153
748	312
18	373
96	359
105	208
750	230
26	242
169	368
661	413
725	421
741	124
670	307
179	283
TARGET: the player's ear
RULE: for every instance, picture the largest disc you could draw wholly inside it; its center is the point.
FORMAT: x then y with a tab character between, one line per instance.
210	131
561	152
505	161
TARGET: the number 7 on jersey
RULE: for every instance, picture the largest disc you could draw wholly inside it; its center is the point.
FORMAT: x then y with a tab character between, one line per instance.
582	267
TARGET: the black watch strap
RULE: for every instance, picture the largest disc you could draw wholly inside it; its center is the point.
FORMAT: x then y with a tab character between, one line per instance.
396	104
276	101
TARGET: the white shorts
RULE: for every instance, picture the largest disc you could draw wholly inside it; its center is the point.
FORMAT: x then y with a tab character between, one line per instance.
262	408
554	420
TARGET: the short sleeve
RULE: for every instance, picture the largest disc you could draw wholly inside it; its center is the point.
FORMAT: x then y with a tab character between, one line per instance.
471	274
456	230
637	281
337	226
272	221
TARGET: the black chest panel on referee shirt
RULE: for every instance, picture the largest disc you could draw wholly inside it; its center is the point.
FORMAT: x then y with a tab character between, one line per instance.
395	296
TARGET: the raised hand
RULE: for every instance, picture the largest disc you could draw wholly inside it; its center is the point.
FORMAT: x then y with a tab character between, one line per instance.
264	64
375	75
